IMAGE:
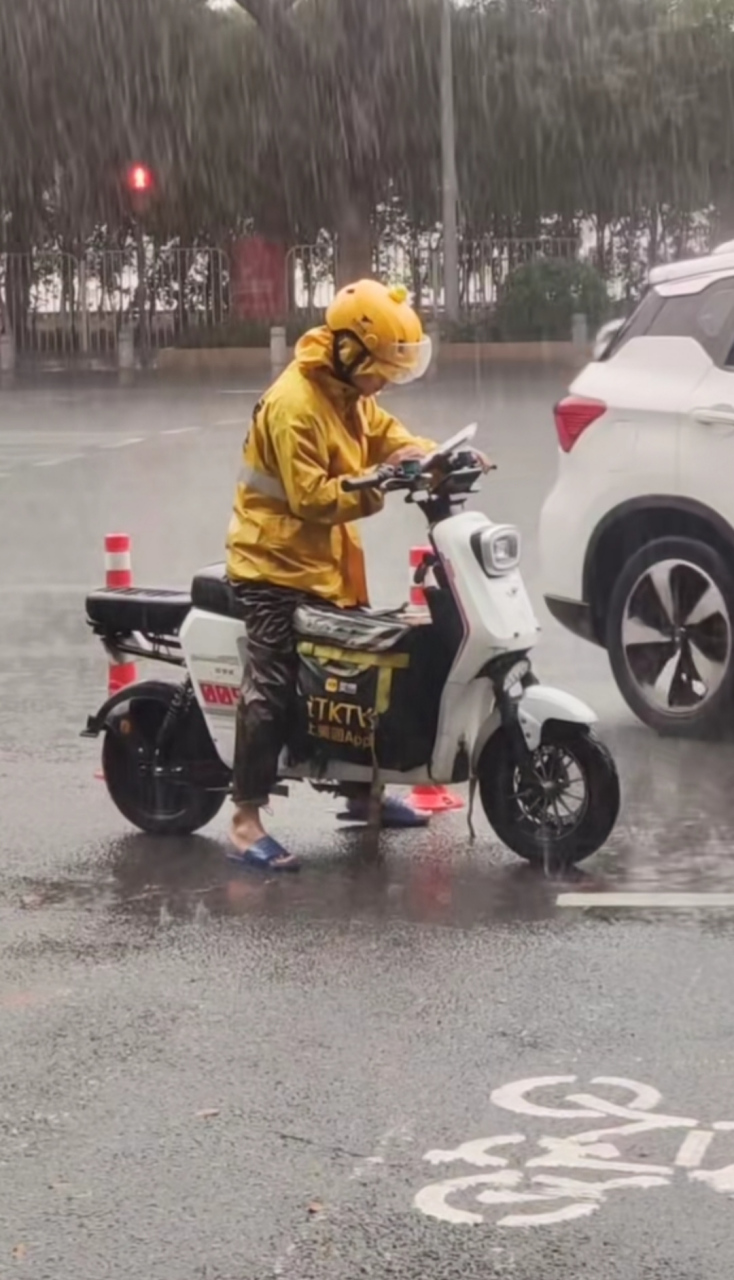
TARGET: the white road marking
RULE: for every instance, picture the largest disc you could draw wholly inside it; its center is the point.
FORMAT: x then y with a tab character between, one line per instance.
538	1196
28	433
719	1180
693	1149
647	901
476	1152
29	448
512	1097
57	462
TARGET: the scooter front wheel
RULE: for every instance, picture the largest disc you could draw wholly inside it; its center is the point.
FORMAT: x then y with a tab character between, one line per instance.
559	806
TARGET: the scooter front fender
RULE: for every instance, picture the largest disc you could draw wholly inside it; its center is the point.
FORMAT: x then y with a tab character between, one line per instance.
540	705
156	690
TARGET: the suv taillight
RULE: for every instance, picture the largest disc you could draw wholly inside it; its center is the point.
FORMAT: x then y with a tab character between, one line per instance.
573	415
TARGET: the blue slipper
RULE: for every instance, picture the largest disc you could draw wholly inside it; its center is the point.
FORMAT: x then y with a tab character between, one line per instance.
265	855
395	815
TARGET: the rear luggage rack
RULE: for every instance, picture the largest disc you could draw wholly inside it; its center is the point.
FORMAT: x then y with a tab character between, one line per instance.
122	611
139	622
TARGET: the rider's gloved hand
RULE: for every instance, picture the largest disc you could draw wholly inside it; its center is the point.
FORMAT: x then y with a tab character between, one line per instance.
484	461
408	453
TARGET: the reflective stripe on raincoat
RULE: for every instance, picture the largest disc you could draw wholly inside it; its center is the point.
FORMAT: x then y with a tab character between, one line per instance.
293	525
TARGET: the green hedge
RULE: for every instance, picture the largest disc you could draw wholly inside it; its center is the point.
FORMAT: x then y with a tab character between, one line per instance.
541	298
478	328
538	304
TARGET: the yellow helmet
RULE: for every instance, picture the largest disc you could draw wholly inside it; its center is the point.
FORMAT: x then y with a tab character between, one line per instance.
386	334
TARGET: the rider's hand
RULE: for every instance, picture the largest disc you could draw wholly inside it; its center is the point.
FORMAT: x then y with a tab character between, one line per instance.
484	461
408	453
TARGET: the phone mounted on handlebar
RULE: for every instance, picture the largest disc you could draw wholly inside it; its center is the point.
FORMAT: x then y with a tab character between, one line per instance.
437	483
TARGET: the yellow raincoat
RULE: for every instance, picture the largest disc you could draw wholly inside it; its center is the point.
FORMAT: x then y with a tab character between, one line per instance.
293	525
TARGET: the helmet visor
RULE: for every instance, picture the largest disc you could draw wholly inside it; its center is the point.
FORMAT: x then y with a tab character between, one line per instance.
404	362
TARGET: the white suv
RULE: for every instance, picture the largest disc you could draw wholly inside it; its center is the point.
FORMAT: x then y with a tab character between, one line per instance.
637	537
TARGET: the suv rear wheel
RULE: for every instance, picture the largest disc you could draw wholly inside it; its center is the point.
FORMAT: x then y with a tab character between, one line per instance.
670	637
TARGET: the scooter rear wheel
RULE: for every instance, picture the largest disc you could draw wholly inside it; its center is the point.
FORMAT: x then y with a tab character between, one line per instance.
561	807
157	807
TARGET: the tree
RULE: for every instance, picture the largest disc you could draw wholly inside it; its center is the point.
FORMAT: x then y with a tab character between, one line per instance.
348	78
306	118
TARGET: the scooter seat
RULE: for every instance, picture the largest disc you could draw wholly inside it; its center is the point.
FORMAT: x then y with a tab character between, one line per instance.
362	629
350	628
122	612
211	592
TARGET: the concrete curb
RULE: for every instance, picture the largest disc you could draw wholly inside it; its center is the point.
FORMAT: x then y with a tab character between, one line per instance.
212	359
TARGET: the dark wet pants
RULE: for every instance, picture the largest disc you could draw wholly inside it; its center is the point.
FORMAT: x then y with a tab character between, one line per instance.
267	702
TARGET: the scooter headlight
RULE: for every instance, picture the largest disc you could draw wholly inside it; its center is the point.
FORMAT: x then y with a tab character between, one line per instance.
498	549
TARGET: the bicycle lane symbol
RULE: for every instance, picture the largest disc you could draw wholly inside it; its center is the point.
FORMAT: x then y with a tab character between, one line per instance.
564	1181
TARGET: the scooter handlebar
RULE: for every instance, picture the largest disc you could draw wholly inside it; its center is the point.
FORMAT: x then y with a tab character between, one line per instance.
413	476
375	481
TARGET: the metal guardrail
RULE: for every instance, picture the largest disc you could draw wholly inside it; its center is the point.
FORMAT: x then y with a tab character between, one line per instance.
484	267
59	305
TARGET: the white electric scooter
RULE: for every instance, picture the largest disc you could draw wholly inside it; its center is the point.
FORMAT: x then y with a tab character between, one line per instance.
385	698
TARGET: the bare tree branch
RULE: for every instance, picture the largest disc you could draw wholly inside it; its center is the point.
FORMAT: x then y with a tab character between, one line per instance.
268	14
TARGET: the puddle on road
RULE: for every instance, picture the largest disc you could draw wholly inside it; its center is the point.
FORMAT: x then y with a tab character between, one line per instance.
434	879
161	880
676	833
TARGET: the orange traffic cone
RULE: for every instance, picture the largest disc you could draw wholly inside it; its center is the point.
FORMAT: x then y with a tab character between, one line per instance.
118	576
418	602
435	800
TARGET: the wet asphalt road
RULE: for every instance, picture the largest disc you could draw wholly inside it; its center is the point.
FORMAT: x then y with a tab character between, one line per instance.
206	1077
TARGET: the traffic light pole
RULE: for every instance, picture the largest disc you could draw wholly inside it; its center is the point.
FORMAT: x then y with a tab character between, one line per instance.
450	181
140	184
143	319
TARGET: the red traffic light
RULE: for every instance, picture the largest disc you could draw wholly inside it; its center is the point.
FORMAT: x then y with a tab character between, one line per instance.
139	179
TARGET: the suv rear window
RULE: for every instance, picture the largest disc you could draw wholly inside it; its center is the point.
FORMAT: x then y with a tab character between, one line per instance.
636	325
707	317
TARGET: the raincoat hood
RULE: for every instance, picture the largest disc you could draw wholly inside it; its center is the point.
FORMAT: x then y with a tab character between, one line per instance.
315	358
315	351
